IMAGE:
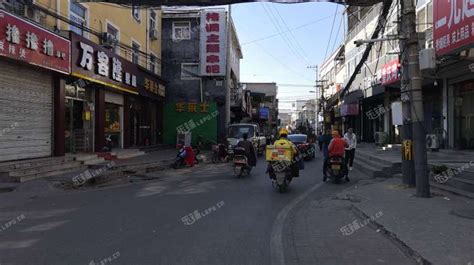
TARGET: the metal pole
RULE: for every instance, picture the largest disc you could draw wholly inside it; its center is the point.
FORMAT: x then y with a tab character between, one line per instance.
228	70
408	165
419	135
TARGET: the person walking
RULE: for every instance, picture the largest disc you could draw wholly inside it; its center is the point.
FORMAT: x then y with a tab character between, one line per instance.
351	139
324	140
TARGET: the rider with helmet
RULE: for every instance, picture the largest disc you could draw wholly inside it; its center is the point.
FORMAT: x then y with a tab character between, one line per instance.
283	141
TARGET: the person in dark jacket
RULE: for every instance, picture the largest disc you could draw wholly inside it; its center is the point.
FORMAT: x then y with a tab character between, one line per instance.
325	139
249	149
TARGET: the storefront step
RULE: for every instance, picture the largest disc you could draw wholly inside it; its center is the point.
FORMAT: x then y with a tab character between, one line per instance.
31	163
451	189
89	159
44	169
47	171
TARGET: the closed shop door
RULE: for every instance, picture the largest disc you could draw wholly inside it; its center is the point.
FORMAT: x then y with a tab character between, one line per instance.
26	112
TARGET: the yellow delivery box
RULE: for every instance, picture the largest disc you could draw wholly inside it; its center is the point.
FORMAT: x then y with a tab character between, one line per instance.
280	152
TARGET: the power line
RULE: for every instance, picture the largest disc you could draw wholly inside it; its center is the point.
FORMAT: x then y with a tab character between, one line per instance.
330	35
282	64
278	27
291	29
338	31
293	38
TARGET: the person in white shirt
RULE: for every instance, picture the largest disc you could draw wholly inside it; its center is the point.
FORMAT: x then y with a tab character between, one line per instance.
351	139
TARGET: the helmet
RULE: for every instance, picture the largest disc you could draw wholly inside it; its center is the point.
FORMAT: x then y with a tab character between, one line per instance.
283	131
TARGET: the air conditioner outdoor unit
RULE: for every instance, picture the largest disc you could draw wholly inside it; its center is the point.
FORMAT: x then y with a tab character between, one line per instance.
380	138
432	142
108	40
154	34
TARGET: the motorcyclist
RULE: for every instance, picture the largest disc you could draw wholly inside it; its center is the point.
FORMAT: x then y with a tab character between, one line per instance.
336	148
249	150
282	141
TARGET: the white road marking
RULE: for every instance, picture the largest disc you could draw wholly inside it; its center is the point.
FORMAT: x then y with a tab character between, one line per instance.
18	244
277	256
44	227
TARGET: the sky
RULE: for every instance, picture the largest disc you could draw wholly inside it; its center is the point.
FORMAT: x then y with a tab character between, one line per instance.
279	42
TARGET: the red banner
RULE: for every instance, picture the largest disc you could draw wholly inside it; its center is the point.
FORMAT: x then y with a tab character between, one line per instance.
27	42
390	72
453	25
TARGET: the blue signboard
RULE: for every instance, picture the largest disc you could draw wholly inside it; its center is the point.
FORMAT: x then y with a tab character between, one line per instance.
264	113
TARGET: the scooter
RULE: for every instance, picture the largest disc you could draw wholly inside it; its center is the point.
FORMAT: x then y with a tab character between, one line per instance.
241	162
281	174
337	169
219	153
180	158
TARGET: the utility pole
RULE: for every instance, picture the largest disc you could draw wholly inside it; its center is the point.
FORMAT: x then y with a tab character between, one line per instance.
416	98
315	67
228	70
408	164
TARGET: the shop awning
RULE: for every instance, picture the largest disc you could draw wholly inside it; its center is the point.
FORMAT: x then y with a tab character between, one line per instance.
333	99
353	96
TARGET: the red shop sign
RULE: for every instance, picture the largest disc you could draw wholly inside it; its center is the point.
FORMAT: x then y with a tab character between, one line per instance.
453	25
25	41
390	72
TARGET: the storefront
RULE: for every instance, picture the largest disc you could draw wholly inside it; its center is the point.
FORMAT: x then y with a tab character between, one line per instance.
146	110
33	62
454	46
104	82
464	115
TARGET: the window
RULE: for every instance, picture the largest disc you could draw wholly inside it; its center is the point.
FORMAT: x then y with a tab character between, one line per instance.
152	63
135	52
421	20
190	71
114	33
77	15
136	12
181	30
152	20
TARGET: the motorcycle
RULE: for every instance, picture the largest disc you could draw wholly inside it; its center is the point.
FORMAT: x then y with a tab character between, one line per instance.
241	163
337	169
281	174
182	155
219	153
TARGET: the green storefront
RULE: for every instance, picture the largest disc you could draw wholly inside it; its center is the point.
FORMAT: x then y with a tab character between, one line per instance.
199	118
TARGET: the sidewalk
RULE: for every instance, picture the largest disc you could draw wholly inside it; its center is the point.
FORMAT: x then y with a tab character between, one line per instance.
430	227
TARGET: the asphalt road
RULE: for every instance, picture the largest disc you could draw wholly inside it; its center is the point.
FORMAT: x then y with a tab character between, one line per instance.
143	223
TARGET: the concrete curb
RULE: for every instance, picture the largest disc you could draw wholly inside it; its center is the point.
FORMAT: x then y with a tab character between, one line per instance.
407	250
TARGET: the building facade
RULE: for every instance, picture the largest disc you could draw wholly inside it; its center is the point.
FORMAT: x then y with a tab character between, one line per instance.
264	106
446	52
111	84
202	64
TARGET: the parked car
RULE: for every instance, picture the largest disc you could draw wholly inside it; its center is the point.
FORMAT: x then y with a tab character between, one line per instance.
306	148
252	130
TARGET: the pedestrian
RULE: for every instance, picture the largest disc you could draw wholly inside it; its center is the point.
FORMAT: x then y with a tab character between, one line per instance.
325	139
351	139
318	138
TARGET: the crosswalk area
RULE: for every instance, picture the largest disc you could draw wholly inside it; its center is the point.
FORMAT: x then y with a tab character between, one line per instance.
21	230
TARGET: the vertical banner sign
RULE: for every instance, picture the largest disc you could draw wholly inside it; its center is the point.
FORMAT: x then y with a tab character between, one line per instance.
27	42
453	25
213	43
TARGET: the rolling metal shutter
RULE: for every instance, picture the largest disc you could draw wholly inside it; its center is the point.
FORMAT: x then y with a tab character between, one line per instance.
26	111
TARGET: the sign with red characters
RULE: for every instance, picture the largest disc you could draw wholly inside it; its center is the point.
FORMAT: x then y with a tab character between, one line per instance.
213	43
27	42
453	25
390	72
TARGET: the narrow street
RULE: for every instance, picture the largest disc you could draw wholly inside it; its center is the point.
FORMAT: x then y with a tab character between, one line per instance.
251	224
